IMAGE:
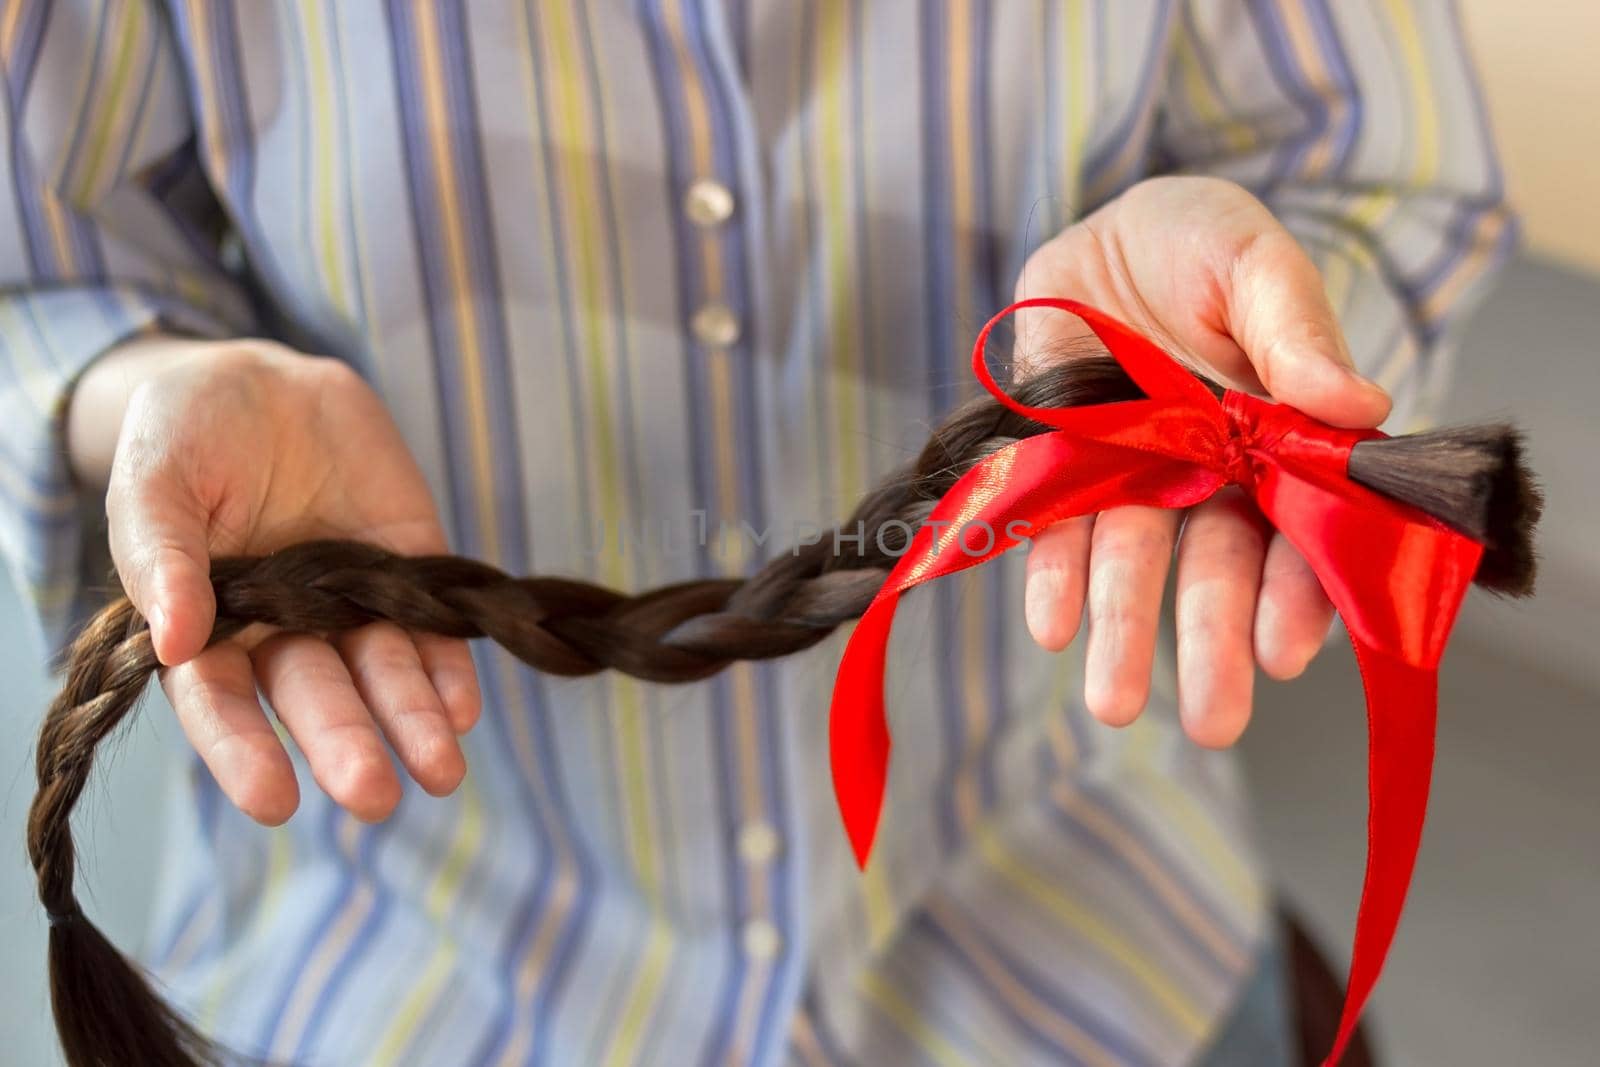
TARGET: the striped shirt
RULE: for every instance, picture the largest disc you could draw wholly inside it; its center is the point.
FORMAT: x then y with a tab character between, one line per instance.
688	277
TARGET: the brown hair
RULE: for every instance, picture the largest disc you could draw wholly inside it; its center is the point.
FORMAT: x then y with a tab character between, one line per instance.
105	1010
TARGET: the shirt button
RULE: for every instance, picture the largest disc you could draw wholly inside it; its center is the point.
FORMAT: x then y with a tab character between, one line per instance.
715	325
758	843
761	940
708	203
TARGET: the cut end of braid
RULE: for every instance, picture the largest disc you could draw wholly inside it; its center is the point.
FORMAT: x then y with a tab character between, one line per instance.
1475	480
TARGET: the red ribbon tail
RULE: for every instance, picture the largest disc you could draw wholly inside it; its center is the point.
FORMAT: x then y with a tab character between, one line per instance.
858	730
1402	703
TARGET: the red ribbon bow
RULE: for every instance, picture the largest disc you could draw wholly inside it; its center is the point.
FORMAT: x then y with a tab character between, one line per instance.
1396	575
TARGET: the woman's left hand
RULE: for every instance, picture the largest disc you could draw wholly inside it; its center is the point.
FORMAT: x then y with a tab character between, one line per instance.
1202	268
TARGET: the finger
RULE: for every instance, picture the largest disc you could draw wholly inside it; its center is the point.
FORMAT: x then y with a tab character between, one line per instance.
315	698
1129	554
388	673
1294	614
214	696
448	662
1057	578
157	532
1278	312
1220	556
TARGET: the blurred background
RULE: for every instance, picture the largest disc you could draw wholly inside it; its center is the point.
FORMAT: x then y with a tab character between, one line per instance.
1498	961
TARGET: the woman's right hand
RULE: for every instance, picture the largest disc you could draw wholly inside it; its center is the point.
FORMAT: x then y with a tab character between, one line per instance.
241	447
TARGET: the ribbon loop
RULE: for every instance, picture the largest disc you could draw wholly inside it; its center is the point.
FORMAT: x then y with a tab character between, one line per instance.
1396	576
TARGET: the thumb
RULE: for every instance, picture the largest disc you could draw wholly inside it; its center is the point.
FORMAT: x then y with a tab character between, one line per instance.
1278	312
158	543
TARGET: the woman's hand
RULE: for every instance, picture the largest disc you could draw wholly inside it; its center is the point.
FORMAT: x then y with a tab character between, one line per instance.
1201	267
221	448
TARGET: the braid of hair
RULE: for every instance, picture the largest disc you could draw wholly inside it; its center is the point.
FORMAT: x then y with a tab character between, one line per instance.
105	1010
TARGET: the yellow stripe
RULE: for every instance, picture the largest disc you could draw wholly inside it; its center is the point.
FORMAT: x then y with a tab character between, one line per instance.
1303	44
126	28
564	892
1004	984
460	302
832	76
439	904
56	216
581	209
1424	112
1071	801
726	449
1490	229
1236	133
326	156
311	983
1094	929
971	586
415	1007
904	1014
40	381
626	1039
1183	818
263	924
1083	62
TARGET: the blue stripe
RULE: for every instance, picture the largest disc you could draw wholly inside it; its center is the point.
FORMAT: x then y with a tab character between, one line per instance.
615	255
941	381
1333	51
530	686
1123	1046
703	451
731	131
235	134
987	285
82	118
1139	105
1090	841
317	931
365	871
532	689
1114	808
486	289
1471	210
30	33
430	256
348	137
146	91
832	1050
815	288
1276	49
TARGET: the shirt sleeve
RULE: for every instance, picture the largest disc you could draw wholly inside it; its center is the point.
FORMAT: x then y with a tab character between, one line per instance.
1360	124
107	230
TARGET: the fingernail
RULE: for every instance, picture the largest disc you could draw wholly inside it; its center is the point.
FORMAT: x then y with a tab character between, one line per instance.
157	620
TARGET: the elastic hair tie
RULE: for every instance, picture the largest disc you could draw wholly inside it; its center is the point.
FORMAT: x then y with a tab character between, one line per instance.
63	918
